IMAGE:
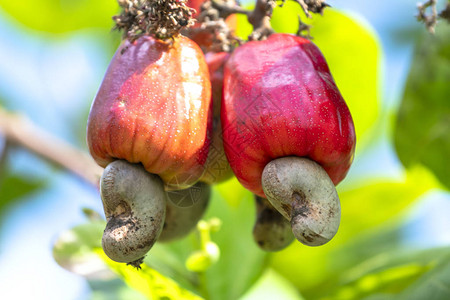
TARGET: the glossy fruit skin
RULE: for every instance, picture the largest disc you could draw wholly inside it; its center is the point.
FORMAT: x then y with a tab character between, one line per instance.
281	100
217	167
154	107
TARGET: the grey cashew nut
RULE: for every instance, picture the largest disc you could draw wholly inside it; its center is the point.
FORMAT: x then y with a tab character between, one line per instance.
301	190
272	232
183	211
134	202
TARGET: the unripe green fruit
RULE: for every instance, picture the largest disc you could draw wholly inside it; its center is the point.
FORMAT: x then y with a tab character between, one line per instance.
183	211
272	231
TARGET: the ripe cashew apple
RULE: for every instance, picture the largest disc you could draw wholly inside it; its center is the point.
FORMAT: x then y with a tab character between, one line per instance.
288	134
152	115
154	108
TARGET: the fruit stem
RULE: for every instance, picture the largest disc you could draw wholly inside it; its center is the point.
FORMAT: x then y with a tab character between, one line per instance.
260	19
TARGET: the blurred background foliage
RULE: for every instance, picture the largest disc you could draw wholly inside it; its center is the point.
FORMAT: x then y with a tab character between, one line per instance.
394	239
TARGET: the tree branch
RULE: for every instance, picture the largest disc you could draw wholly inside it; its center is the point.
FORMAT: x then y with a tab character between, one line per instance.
18	129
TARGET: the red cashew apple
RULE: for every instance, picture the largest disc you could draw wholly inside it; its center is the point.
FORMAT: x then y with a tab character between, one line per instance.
288	134
153	108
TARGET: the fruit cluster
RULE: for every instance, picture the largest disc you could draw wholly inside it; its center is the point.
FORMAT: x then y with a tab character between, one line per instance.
170	120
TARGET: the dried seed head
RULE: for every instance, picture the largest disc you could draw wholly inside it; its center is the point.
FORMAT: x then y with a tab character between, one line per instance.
163	19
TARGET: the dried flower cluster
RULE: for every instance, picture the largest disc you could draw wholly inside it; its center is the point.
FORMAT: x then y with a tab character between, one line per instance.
160	18
314	6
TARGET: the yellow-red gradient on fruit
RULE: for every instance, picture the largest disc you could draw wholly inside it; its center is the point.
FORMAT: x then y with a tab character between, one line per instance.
154	107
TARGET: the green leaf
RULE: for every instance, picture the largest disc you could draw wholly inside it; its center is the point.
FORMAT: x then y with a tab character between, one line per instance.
114	289
77	250
377	263
364	207
14	188
396	273
234	206
367	205
58	16
435	285
272	286
74	250
422	132
353	53
148	281
169	260
241	262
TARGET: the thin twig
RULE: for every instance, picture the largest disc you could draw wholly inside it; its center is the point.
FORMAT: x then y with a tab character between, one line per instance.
18	129
260	19
304	30
314	6
428	19
226	8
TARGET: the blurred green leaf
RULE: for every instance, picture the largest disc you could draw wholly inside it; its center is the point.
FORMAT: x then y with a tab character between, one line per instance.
377	262
148	281
366	251
367	205
387	281
58	16
169	260
77	250
14	188
309	269
272	286
434	285
353	53
422	133
364	207
394	273
233	205
74	250
114	289
241	262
